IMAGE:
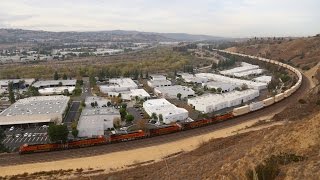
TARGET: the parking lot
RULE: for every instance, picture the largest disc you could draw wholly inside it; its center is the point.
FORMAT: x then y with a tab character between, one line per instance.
18	136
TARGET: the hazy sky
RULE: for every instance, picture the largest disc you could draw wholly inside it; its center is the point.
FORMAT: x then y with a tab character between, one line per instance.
232	18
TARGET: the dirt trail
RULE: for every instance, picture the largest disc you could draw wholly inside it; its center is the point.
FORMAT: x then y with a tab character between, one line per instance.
119	160
311	73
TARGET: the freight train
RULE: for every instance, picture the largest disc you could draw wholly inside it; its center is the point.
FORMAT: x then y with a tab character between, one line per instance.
114	138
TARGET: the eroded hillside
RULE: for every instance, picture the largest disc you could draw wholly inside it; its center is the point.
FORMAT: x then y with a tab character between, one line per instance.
301	52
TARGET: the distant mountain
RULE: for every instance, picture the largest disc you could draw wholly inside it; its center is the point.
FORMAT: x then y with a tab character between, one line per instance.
20	35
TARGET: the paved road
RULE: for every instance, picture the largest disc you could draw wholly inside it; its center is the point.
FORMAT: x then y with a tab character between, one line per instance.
71	115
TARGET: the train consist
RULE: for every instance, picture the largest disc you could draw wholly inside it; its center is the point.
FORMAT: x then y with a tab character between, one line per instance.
176	127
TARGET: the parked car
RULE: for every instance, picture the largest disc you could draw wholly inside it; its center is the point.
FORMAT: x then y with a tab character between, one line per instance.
11	129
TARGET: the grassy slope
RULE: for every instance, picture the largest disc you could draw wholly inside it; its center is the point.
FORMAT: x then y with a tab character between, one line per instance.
299	52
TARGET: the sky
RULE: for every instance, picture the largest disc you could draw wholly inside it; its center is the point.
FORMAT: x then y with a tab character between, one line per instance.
228	18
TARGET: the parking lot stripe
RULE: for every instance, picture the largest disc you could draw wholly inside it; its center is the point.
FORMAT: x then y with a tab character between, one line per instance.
41	138
33	138
16	140
38	138
46	139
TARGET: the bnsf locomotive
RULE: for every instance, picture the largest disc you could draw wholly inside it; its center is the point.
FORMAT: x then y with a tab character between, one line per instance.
24	149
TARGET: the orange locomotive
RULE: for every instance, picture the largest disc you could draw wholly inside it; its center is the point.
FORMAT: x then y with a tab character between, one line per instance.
24	149
165	130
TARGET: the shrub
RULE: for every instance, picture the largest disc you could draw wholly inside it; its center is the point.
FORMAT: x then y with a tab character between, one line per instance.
305	68
302	101
318	102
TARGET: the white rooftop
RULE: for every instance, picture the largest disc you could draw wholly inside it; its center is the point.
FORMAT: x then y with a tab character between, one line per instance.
119	84
244	67
55	90
172	91
5	82
162	106
248	73
264	79
34	109
234	81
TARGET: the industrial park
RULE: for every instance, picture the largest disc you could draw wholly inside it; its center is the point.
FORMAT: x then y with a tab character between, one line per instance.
159	90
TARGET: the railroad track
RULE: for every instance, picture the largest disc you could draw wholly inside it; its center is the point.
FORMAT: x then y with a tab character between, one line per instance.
16	159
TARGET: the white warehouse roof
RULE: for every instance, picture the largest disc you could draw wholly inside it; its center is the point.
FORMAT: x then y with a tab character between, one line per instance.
214	102
192	78
119	84
234	81
94	121
172	91
225	87
56	90
35	110
244	67
170	112
248	73
264	79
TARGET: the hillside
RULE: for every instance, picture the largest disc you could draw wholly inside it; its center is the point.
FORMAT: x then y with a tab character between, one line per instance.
20	35
301	52
290	151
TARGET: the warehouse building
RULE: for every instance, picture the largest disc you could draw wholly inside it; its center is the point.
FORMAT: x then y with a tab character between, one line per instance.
190	78
158	81
54	83
225	87
172	91
118	85
34	110
249	73
244	67
234	81
214	102
95	121
56	90
170	112
17	83
133	93
263	79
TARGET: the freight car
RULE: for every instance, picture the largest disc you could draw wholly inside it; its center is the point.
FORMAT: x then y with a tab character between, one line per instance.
196	124
165	130
128	136
32	148
223	117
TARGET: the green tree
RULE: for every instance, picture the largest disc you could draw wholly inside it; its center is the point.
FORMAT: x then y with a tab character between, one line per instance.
33	91
75	132
154	116
65	77
161	118
179	96
60	84
58	133
124	106
108	103
56	75
129	117
2	136
11	93
123	112
219	90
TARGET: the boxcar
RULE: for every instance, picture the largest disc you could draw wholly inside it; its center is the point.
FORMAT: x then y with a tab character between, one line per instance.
165	130
223	117
87	142
196	124
126	137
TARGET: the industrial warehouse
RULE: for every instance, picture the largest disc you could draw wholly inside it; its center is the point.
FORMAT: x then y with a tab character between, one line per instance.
118	85
33	110
215	102
158	81
94	121
172	91
170	112
55	87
